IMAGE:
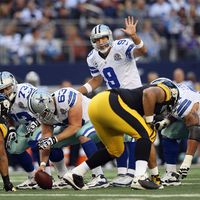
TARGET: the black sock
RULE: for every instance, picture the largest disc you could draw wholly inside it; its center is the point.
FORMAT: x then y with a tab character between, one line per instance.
99	158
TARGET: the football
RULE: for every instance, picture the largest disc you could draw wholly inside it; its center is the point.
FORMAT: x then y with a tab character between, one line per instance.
44	180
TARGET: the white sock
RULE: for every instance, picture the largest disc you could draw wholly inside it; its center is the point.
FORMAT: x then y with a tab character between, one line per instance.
154	171
81	169
140	167
48	170
170	168
97	171
121	170
187	161
60	167
31	174
131	171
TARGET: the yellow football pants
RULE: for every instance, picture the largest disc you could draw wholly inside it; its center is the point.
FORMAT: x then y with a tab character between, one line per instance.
112	118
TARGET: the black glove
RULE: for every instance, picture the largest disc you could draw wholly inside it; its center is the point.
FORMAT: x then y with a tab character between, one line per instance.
47	142
32	127
12	136
9	187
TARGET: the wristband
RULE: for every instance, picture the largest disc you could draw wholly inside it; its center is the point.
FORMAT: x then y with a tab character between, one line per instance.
140	45
88	87
149	119
43	164
11	128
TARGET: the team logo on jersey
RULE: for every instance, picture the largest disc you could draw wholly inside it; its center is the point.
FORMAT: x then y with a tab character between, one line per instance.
117	57
63	111
21	105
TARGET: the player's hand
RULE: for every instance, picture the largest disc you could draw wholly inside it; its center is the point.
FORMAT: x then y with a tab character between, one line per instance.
9	187
183	172
159	125
32	127
45	143
12	137
130	24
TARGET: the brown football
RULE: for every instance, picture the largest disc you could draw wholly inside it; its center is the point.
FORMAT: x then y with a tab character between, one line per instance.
44	180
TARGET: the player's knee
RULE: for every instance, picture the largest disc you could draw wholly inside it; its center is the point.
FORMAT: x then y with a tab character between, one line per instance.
116	152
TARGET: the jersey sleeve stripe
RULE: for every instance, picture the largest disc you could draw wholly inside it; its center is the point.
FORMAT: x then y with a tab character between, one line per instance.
128	51
72	98
183	107
89	131
3	129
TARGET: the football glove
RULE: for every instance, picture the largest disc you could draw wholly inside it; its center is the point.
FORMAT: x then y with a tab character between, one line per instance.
159	125
12	137
45	143
183	172
32	127
9	187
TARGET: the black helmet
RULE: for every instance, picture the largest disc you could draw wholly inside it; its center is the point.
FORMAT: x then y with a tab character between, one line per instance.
172	86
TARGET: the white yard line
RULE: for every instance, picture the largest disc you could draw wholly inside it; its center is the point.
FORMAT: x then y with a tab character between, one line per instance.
101	195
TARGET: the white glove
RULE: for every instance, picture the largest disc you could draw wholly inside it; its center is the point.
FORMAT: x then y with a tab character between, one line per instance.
32	127
47	142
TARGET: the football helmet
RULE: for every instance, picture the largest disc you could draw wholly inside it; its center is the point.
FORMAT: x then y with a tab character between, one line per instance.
4	105
42	104
172	86
8	84
100	31
33	78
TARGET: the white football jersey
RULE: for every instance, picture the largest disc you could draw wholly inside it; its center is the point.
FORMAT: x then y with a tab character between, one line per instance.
186	100
65	99
19	109
119	68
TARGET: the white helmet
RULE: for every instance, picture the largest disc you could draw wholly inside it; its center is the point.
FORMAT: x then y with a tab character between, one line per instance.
42	104
8	80
100	31
33	78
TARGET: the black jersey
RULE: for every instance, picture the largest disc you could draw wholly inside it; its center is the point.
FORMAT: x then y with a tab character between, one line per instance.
133	98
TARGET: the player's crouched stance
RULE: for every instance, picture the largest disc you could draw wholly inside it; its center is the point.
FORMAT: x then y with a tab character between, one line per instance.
4	109
132	112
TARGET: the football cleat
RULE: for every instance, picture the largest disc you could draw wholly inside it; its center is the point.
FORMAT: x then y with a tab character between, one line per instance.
122	180
156	179
98	182
170	179
61	184
30	183
143	183
75	181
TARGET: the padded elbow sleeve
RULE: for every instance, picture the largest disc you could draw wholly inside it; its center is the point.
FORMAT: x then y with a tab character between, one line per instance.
194	133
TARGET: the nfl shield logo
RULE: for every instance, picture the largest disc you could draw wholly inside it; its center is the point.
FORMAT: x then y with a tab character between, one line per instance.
117	57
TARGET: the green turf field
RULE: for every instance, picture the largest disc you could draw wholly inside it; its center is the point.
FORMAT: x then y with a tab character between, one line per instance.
190	189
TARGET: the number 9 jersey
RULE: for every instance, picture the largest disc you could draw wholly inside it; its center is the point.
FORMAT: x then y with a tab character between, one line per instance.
119	68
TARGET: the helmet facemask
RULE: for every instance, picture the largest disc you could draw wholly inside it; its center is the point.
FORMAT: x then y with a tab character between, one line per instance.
101	31
8	85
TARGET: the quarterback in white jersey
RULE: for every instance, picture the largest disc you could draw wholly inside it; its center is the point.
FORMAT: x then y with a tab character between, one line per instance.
119	68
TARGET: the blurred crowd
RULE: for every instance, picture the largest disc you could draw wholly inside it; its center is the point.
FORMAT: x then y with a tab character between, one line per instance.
35	31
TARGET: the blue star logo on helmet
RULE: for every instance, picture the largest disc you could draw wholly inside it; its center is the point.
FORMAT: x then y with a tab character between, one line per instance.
41	99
